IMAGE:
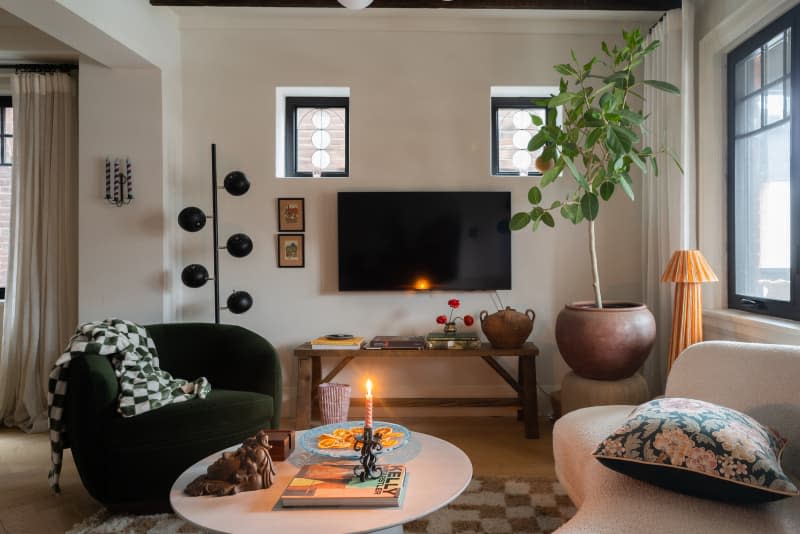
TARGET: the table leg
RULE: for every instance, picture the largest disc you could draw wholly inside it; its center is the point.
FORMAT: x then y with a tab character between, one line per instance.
303	402
528	396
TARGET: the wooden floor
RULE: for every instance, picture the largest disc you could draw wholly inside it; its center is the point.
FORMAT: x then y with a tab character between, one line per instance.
495	445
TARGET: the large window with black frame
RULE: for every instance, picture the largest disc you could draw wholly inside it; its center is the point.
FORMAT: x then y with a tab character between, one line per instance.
6	157
764	172
317	136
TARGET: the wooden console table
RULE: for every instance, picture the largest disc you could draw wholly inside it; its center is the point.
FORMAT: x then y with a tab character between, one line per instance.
309	376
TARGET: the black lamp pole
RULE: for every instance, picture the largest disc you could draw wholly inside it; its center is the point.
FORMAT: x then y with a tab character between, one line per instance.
216	229
192	219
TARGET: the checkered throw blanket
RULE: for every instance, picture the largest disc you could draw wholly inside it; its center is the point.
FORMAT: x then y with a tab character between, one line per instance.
143	385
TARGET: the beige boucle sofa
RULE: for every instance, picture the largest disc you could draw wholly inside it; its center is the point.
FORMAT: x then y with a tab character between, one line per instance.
758	379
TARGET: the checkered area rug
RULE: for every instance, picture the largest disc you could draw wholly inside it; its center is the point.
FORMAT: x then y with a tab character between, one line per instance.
500	505
490	505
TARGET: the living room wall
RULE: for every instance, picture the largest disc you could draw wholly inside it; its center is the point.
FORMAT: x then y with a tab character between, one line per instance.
419	120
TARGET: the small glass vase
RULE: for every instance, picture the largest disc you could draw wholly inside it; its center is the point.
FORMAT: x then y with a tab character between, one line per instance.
450	328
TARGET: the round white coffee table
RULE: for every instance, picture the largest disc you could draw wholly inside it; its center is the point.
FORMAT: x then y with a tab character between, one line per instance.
436	475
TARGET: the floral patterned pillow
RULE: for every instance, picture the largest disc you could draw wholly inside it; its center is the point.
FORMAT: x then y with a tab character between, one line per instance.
700	449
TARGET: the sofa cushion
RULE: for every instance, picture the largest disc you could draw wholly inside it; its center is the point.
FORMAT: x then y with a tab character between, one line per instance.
700	449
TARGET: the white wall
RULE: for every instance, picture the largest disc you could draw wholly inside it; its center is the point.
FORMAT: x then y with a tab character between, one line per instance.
419	120
121	270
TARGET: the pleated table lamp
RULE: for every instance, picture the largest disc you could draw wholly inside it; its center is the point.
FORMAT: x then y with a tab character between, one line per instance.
688	269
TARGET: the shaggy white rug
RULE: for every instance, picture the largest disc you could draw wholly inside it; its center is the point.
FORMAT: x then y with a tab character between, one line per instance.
489	505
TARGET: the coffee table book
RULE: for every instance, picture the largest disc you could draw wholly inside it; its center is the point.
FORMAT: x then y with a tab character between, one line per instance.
324	343
397	342
458	340
334	485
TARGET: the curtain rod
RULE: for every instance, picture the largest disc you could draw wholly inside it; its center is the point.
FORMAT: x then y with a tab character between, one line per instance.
40	67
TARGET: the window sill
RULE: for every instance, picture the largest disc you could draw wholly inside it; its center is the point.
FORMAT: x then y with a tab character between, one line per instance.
742	326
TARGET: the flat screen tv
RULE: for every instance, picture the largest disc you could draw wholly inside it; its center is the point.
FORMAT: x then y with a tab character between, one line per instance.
424	240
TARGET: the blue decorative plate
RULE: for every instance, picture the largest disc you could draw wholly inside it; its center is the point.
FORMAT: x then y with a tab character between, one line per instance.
310	439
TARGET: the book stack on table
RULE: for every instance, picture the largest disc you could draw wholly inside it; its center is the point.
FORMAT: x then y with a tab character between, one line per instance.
337	342
457	340
397	342
334	484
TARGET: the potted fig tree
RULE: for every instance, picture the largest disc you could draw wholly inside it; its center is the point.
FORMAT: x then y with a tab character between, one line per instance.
598	145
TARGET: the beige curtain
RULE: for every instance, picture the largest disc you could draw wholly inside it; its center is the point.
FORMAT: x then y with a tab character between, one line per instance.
663	197
41	290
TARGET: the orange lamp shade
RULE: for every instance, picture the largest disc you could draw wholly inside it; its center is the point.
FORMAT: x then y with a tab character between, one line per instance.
688	269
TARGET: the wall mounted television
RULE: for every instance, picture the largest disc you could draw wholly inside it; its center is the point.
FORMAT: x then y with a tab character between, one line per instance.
391	241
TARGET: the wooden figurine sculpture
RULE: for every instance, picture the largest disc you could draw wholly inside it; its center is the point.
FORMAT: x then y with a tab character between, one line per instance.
248	468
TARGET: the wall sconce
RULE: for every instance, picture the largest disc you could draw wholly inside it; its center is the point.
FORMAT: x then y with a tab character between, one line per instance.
119	185
193	219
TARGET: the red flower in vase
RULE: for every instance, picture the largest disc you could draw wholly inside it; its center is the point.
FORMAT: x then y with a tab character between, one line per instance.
450	321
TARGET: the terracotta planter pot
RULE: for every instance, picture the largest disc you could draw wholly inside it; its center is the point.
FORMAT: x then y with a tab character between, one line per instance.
605	344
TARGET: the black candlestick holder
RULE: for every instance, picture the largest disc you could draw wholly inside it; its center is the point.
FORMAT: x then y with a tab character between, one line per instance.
369	447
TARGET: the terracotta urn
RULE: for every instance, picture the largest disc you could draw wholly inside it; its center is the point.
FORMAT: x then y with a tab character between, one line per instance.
605	344
507	329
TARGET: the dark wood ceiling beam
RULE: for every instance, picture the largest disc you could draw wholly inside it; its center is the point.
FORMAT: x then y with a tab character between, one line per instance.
605	5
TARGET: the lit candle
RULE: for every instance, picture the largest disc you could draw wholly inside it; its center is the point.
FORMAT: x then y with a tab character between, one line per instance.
108	179
368	413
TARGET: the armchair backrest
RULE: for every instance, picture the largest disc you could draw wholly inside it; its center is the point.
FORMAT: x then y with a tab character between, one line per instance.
759	379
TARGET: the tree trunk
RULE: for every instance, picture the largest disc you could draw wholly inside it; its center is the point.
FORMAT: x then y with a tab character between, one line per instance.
598	298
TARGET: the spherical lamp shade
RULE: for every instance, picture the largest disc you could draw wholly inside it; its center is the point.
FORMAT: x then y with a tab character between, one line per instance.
355	4
236	183
239	245
192	219
240	302
194	275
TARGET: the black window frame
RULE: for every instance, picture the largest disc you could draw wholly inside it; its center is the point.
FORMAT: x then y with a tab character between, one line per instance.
498	102
5	103
322	102
763	306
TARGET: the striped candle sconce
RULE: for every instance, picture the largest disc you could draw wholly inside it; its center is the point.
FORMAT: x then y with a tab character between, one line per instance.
118	181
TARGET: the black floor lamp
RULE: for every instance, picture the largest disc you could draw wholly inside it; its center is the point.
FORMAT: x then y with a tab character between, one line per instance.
193	219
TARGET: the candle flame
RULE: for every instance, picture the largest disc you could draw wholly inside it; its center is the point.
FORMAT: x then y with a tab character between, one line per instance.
369	387
422	284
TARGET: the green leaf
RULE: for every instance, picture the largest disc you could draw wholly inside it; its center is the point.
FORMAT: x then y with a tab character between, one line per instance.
587	67
561	99
535	224
606	190
548	220
654	163
555	204
519	221
637	160
619	139
590	206
536	119
675	159
550	175
534	195
604	47
575	173
537	141
626	184
565	69
631	116
593	137
550	117
663	86
603	89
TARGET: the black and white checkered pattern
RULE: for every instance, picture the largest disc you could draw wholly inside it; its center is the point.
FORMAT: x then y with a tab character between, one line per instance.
143	385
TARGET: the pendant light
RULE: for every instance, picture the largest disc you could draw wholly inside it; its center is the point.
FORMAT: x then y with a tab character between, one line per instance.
355	4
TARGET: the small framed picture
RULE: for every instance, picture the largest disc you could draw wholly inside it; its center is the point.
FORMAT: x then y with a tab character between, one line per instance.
291	250
291	215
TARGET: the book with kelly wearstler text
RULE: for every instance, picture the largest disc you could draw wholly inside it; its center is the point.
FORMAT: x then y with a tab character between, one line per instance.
334	484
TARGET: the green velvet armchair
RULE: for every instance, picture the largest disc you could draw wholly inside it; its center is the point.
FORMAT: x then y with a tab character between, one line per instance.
131	463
